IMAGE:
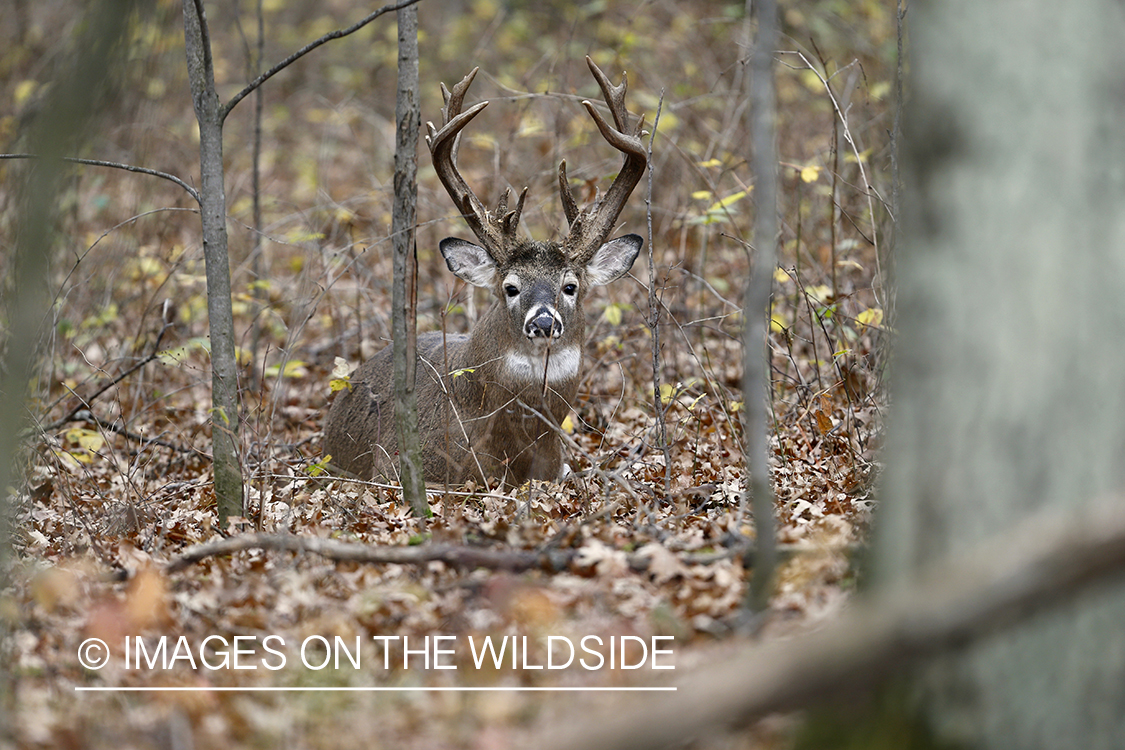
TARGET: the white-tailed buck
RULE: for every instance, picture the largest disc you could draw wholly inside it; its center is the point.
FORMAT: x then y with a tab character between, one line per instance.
490	402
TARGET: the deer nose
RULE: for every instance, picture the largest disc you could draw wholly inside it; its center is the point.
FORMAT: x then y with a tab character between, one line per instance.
543	324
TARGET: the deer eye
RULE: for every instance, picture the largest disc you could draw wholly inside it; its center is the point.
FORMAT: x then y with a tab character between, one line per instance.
570	290
511	290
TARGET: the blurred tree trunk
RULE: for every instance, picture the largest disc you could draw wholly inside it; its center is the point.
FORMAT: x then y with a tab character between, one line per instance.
63	123
405	288
213	212
1009	378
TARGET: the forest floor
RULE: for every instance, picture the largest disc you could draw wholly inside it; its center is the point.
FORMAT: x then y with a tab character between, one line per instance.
117	481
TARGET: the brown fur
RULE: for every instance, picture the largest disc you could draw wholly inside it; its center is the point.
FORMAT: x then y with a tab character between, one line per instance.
476	409
489	403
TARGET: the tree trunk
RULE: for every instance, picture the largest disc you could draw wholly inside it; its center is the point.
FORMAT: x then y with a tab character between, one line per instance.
1009	378
224	366
756	386
405	287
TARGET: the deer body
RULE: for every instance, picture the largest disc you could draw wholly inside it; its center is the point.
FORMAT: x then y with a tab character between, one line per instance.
490	401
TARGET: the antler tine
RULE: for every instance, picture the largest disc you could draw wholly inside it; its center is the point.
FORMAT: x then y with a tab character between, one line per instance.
497	232
570	207
589	227
614	95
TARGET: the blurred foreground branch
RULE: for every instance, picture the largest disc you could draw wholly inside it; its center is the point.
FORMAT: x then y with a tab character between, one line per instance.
1047	562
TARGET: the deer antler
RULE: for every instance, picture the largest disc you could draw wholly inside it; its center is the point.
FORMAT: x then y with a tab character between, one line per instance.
496	230
590	226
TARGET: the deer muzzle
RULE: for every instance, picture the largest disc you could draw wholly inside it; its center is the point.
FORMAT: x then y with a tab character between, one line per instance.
543	322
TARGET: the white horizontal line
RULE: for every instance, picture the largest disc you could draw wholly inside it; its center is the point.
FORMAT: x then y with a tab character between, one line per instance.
136	689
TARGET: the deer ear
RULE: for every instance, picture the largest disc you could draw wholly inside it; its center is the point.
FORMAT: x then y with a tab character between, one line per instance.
468	261
613	259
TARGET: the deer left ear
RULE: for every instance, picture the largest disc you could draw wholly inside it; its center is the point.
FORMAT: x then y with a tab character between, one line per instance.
613	259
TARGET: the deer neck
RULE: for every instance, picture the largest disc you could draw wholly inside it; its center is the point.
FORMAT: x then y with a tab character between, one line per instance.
497	355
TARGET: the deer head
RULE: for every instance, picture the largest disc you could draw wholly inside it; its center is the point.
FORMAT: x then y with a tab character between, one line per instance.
487	400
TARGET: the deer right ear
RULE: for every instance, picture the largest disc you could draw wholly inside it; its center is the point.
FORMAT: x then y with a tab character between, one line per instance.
468	261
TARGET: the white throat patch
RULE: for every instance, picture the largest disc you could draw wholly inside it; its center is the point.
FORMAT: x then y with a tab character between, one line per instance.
562	365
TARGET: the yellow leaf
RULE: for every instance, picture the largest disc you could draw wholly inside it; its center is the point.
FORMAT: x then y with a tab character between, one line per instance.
613	314
810	173
710	163
24	90
667	392
530	125
872	316
820	292
319	467
811	81
339	384
568	425
702	195
294	368
87	439
777	324
728	200
736	406
68	459
302	235
780	276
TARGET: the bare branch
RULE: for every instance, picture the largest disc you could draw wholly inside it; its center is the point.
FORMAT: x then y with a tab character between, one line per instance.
547	558
457	556
116	165
337	34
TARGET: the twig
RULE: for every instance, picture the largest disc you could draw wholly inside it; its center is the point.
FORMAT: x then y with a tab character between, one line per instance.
338	33
84	403
653	320
117	165
868	189
85	415
571	443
